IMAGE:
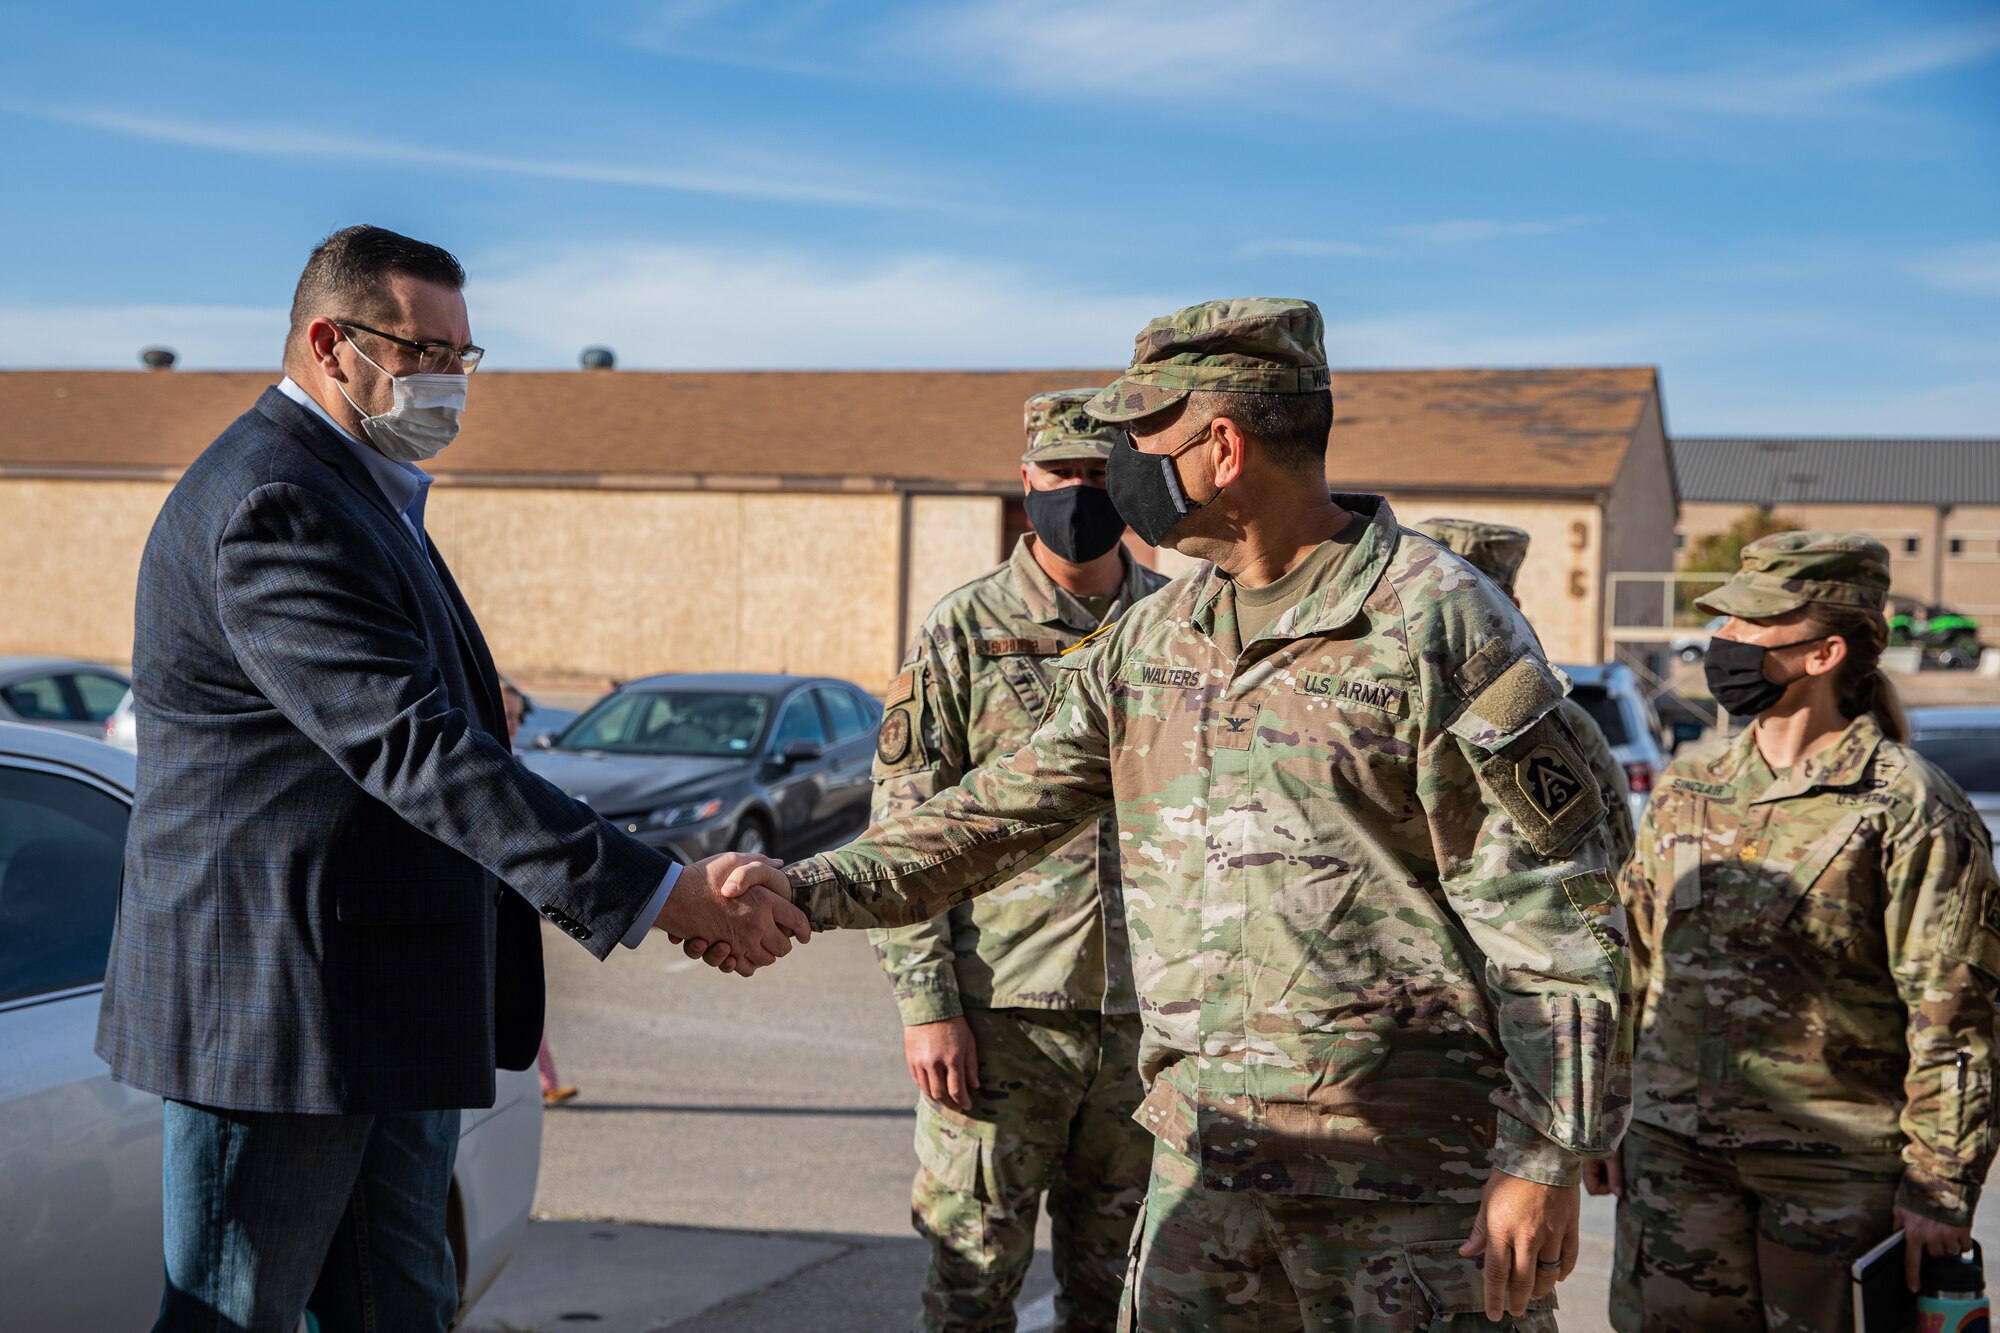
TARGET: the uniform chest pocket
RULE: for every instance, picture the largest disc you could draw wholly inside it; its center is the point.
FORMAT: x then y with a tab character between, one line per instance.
1028	677
1825	894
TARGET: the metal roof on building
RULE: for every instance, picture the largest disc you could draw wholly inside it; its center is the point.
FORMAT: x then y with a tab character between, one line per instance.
1560	430
1777	471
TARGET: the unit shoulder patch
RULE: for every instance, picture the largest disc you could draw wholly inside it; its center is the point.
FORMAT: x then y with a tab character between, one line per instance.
899	743
1549	780
1544	782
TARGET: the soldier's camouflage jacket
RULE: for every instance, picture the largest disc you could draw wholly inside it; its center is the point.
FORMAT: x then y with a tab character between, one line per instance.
973	690
1612	779
1816	958
1374	941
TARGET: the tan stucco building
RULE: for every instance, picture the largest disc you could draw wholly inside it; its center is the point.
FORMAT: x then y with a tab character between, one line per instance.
611	524
1934	503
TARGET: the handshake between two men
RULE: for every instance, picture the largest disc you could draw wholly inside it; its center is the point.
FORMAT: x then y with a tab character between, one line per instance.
734	912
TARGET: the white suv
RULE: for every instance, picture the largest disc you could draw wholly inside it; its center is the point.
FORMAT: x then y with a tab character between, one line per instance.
1611	695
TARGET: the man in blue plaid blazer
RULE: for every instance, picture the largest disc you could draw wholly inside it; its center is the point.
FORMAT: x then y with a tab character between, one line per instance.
328	935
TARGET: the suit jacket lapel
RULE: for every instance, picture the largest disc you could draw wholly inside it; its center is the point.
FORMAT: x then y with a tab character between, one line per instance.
329	448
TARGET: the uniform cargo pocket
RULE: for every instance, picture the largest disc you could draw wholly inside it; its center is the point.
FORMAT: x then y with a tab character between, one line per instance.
957	1153
1456	1285
409	902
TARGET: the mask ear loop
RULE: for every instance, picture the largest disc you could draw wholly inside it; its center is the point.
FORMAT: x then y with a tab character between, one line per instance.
1182	500
366	417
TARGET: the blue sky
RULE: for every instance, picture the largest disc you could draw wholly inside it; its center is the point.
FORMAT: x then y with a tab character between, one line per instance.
1792	208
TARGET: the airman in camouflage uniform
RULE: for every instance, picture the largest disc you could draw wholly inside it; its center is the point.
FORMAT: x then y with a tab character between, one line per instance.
1376	948
1497	550
1038	969
1815	953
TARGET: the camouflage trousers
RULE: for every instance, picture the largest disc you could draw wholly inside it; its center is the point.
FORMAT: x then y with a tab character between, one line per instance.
1713	1238
1053	1113
1219	1261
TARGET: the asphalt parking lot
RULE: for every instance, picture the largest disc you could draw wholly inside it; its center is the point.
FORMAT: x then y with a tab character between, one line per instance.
740	1157
748	1145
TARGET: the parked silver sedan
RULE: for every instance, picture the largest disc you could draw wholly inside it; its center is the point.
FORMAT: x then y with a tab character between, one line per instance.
60	692
80	1154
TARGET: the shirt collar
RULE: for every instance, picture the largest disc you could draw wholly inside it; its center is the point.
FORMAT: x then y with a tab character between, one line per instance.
1338	600
403	485
1841	764
1049	603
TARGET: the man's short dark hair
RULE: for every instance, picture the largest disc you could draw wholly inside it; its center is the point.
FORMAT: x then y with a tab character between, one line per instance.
344	273
1292	427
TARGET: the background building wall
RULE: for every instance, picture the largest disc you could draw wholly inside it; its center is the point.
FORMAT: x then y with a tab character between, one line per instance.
586	584
953	540
1972	575
71	551
625	583
1558	585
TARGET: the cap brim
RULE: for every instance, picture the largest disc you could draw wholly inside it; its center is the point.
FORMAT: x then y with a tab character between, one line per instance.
1736	599
1066	449
1126	400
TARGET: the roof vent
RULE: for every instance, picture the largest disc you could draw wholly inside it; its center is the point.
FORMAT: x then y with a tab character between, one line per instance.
598	358
157	358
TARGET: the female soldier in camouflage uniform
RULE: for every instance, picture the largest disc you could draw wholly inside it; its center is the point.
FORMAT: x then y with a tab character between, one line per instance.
1815	940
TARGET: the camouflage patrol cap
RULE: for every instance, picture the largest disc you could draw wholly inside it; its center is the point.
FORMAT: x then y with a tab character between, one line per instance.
1786	570
1059	428
1494	549
1252	344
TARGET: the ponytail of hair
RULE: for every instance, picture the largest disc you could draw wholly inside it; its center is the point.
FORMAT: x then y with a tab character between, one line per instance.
1861	686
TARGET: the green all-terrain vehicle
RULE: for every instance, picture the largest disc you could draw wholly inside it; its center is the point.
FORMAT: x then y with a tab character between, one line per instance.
1948	638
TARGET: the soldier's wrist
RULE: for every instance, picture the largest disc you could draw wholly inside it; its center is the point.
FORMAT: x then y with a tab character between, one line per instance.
927	1004
1521	1151
1943	1201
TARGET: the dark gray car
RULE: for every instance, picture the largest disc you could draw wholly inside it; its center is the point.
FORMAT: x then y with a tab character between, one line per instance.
699	764
1965	743
60	692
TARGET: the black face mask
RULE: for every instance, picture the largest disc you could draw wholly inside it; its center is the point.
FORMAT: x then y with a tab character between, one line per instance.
1735	672
1078	523
1147	490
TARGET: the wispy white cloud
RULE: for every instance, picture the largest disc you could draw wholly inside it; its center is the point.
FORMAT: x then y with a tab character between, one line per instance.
1455	55
1308	249
1461	231
749	176
1453	231
672	306
1971	270
111	336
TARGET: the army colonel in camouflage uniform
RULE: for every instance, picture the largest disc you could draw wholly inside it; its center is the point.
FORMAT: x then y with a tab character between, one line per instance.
1497	550
1815	938
1377	952
1022	1027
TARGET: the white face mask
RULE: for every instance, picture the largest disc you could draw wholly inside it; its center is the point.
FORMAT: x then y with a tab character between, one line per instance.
422	418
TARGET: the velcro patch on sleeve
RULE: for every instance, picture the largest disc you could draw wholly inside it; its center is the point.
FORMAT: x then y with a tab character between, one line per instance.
900	746
1506	698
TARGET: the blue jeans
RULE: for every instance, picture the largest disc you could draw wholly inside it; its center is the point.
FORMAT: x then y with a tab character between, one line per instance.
268	1212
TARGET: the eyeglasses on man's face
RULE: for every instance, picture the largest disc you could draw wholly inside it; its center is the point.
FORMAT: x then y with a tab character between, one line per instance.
433	358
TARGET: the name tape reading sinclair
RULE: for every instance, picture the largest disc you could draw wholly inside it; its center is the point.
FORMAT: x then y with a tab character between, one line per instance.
1364	693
